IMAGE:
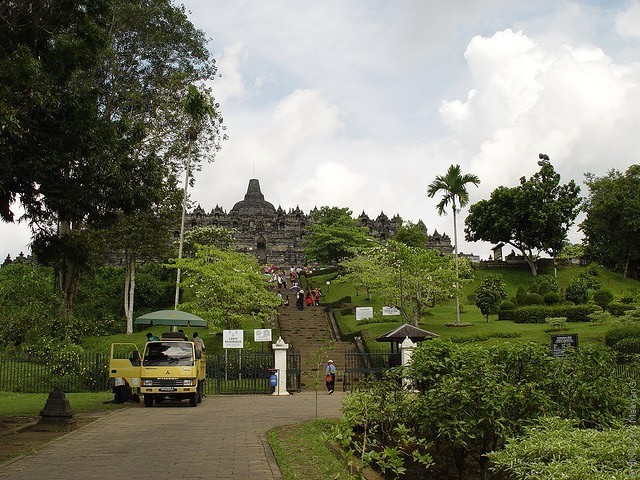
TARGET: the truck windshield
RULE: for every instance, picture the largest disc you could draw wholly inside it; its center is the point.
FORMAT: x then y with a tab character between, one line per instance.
168	353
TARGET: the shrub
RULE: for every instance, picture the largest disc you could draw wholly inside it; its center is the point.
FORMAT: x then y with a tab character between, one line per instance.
615	334
556	323
555	448
507	310
628	346
618	308
538	313
533	299
628	297
581	288
507	305
551	298
602	297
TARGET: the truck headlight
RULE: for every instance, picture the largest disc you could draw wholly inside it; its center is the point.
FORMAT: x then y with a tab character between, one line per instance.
147	382
188	383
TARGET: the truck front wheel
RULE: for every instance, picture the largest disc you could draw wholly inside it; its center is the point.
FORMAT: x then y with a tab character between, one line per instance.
193	400
148	400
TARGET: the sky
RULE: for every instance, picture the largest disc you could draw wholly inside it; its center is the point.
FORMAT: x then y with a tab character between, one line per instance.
361	104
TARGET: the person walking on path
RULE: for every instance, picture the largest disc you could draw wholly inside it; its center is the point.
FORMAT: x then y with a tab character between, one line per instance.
331	376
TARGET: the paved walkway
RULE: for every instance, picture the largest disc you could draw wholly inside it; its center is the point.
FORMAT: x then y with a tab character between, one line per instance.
223	438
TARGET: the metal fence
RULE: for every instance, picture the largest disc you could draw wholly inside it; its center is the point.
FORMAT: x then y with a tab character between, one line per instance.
235	372
359	365
86	372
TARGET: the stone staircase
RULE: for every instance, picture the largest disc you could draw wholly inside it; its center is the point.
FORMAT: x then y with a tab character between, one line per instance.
309	332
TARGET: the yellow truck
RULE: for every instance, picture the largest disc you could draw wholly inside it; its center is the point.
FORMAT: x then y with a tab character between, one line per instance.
171	368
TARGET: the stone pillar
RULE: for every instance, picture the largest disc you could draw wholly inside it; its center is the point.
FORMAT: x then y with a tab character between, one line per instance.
406	351
280	353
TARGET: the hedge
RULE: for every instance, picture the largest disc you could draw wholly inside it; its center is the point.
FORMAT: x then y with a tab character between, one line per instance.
538	313
618	308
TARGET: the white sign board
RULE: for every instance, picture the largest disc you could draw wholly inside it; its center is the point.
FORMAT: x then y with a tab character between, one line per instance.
364	312
390	311
232	338
262	335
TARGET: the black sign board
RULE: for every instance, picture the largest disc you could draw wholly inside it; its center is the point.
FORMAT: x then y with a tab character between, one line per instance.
559	343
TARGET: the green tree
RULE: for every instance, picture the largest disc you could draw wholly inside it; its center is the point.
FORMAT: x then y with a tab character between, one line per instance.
416	278
364	272
453	187
219	237
412	234
142	237
28	306
200	111
489	295
333	235
225	287
533	217
612	226
101	136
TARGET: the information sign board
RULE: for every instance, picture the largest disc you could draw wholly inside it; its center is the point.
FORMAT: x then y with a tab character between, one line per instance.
232	338
364	312
390	311
559	343
262	335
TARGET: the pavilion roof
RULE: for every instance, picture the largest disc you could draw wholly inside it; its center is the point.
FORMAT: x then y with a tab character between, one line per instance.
400	333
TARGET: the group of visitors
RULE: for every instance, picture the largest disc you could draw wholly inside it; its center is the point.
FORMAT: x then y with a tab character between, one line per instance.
310	298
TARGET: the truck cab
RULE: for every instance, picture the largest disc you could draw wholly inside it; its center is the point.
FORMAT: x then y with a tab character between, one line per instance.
171	368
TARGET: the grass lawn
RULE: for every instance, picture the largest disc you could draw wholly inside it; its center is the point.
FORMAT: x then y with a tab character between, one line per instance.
303	453
480	330
30	404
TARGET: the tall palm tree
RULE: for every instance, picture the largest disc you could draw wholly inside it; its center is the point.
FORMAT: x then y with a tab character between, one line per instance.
453	186
198	108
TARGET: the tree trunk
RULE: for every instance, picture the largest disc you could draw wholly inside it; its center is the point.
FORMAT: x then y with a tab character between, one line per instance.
455	260
129	291
184	212
69	274
626	267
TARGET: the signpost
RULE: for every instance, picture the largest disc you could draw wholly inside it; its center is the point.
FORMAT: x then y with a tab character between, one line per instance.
232	339
364	312
559	343
262	335
390	311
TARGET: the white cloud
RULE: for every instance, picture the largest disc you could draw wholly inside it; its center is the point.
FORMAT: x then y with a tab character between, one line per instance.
628	22
230	83
343	103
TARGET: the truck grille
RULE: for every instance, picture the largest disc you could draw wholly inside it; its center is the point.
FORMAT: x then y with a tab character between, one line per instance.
165	382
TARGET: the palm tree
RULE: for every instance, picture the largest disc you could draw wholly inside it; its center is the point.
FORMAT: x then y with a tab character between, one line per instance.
453	186
198	108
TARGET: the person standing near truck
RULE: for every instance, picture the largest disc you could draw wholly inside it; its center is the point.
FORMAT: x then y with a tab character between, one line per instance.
198	341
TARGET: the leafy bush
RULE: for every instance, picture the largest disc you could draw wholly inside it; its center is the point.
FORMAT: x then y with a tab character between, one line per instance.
544	284
628	346
533	299
538	313
556	323
507	305
628	296
620	332
556	448
551	298
602	297
618	308
581	288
